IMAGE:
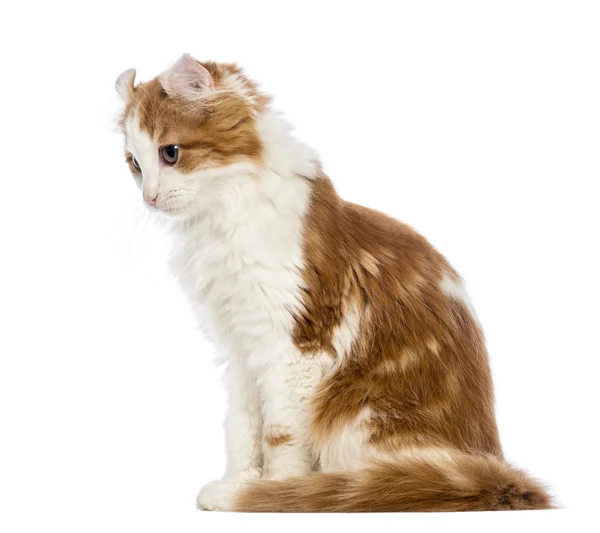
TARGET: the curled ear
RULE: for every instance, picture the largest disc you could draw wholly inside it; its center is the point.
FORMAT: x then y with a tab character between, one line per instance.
124	84
187	79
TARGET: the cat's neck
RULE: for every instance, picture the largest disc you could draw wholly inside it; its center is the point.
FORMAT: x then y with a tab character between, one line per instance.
260	205
283	153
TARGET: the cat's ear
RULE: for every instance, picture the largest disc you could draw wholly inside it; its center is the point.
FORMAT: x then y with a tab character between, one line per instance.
187	79
124	84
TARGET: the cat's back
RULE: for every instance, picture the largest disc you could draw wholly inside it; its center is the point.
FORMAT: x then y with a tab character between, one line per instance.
394	242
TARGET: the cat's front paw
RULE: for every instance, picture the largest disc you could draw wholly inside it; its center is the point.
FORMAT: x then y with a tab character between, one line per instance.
216	496
220	495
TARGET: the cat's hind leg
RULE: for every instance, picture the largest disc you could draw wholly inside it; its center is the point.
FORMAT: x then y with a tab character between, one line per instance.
348	447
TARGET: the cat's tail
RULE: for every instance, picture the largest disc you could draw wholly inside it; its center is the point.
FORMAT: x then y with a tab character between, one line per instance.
450	481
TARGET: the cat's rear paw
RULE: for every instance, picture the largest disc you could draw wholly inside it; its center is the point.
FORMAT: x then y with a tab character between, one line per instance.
220	495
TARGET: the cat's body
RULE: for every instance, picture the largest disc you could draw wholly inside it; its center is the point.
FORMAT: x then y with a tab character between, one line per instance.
358	376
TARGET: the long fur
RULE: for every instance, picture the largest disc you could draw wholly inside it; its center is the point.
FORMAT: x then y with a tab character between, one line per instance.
456	482
352	344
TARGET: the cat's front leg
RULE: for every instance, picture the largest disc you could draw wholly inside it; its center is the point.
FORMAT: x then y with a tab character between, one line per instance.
243	430
287	388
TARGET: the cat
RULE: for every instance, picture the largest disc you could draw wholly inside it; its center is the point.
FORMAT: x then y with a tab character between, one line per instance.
358	377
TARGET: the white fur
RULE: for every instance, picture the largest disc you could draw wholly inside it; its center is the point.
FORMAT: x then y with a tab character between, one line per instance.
238	255
124	83
346	333
456	289
177	193
348	448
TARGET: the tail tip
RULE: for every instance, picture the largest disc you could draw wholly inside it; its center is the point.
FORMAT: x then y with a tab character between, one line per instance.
513	496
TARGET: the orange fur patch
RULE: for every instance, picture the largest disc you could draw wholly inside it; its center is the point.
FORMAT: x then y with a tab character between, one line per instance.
277	435
419	362
216	131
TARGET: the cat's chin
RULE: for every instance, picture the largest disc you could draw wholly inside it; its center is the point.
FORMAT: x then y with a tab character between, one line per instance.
173	212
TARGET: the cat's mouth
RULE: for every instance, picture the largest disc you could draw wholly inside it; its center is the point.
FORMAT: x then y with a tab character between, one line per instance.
172	204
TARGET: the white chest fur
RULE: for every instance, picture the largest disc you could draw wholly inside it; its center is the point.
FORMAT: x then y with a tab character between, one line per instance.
241	264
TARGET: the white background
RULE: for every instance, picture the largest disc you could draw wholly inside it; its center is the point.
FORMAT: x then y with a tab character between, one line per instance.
476	122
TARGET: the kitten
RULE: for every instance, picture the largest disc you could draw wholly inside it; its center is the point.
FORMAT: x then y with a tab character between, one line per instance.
357	371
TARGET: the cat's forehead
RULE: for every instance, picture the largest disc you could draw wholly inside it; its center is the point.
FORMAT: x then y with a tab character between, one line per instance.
152	117
159	115
232	93
218	129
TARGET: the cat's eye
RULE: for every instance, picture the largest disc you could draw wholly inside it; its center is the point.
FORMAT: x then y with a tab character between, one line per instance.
170	154
136	164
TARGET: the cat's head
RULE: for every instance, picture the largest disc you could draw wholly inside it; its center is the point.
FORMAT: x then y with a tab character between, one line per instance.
187	129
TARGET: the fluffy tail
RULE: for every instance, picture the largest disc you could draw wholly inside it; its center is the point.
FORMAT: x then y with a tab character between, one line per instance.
449	482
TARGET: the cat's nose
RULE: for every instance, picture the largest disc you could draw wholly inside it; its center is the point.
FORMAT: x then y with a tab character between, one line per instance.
151	201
